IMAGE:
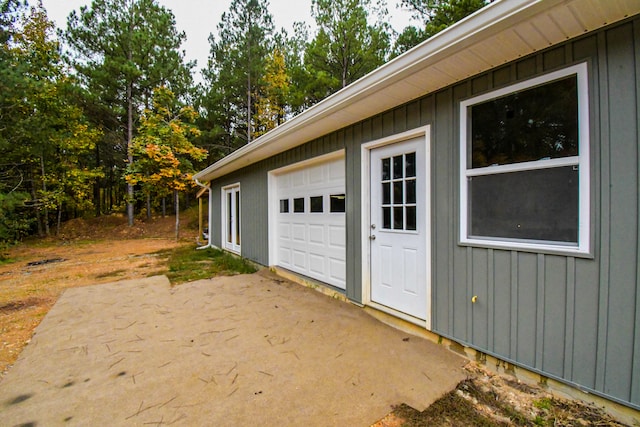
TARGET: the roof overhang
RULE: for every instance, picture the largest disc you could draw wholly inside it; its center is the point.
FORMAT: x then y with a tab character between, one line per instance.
501	32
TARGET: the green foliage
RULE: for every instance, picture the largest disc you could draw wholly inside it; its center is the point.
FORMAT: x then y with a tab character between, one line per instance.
346	47
163	151
544	403
436	15
44	136
235	71
123	49
186	264
14	225
271	105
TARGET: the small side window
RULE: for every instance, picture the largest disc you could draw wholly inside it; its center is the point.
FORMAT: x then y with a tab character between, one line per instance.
316	204
337	203
284	206
298	205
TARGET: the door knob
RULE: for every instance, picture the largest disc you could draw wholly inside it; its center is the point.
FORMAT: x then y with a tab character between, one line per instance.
372	237
373	226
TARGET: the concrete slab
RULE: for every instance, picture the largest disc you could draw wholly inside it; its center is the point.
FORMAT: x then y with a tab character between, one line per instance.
243	350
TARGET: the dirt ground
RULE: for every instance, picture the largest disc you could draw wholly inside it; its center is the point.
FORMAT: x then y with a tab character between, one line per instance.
86	252
105	249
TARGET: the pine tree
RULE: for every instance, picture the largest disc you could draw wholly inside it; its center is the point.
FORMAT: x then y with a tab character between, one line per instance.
346	47
436	15
123	50
235	71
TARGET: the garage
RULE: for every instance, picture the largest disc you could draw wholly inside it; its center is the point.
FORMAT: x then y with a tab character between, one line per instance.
308	219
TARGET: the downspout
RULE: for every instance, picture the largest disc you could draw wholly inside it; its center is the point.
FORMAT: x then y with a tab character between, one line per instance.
209	244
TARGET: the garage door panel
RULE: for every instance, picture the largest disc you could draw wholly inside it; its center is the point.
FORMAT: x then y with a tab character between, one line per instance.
317	264
337	269
284	255
284	230
336	172
311	243
316	234
299	232
299	259
316	175
337	236
297	179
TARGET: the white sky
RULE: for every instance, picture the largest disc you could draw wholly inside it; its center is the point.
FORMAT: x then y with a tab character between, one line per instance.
199	18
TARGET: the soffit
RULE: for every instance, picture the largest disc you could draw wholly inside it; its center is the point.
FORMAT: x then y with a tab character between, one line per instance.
497	34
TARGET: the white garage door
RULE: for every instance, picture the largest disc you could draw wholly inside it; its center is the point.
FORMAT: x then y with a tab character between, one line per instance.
310	211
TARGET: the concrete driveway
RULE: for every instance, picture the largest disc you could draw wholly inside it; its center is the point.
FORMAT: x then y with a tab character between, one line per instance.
236	351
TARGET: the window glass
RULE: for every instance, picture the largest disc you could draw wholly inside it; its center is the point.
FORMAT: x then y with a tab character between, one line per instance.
398	218
229	219
397	193
337	202
316	204
298	205
397	167
386	169
386	193
386	217
532	124
237	218
411	218
535	204
410	165
284	206
410	188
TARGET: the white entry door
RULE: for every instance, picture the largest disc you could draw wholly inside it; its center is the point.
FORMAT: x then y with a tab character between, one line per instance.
231	218
399	189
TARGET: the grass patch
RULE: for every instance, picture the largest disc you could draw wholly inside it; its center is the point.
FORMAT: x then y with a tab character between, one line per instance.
114	273
186	264
4	259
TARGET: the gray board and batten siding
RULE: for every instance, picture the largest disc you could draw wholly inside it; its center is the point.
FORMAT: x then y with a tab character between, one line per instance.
572	318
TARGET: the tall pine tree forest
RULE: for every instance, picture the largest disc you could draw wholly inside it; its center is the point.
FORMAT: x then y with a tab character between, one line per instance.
103	116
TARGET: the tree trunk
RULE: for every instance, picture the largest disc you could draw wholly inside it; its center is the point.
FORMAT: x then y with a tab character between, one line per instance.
177	195
130	142
148	206
44	189
129	153
59	220
164	207
97	194
249	89
34	198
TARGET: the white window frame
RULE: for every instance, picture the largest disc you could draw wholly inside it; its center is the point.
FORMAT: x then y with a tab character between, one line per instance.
583	247
230	243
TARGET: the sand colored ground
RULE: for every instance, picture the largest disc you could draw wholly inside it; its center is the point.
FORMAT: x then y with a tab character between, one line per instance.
242	350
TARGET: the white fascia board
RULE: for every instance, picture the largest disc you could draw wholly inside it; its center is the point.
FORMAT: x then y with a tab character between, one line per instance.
321	118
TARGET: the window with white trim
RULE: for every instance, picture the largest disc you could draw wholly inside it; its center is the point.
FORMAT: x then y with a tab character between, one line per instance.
524	165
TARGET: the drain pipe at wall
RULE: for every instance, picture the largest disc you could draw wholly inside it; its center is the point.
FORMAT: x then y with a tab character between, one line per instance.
209	244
